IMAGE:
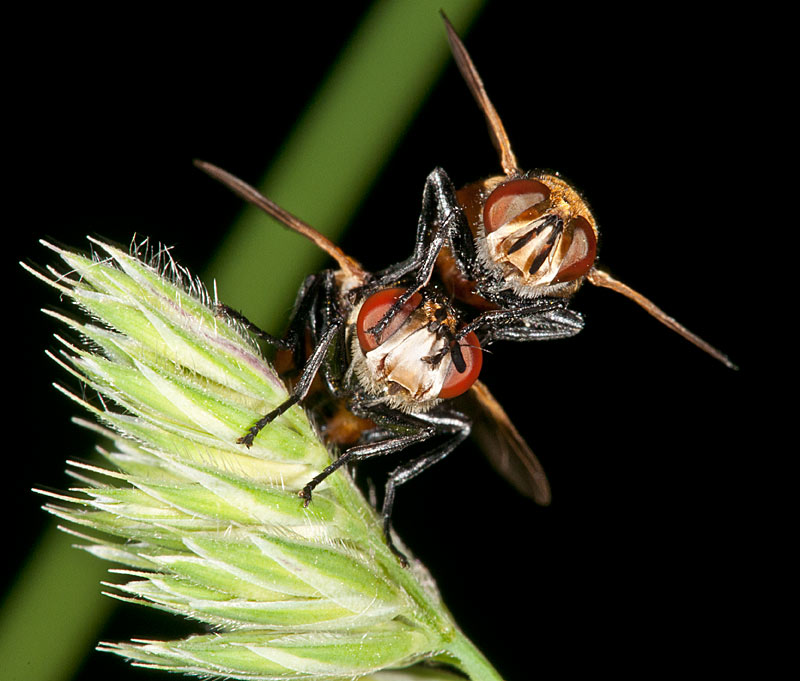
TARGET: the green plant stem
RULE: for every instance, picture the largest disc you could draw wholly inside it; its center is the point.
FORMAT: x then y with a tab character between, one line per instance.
470	660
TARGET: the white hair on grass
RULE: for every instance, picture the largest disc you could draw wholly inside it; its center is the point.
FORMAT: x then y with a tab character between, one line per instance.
159	257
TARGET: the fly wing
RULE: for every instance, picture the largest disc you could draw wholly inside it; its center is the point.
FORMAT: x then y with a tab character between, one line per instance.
251	194
475	85
503	445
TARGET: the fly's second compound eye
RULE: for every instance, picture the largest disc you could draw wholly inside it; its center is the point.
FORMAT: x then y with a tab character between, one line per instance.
375	307
458	382
511	199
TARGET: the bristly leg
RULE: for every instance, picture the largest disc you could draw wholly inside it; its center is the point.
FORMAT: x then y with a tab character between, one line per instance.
460	427
366	451
222	310
315	309
441	223
445	422
303	384
543	319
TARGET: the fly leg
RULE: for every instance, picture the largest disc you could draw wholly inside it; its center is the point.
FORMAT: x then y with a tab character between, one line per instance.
304	303
438	202
222	310
545	320
315	299
303	384
366	451
441	222
460	426
455	425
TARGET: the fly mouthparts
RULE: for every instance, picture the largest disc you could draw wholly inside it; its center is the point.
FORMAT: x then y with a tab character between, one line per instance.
605	280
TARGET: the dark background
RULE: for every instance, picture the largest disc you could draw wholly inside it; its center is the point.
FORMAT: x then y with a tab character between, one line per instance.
641	559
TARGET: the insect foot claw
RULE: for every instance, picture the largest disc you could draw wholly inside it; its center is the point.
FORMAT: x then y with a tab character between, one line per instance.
247	440
401	558
305	493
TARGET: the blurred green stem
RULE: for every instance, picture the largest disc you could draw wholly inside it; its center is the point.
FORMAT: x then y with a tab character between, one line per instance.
57	599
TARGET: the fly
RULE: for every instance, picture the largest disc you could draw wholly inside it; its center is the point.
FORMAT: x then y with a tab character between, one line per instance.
520	238
376	393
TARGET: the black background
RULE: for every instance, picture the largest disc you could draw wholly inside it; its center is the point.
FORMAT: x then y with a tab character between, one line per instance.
640	561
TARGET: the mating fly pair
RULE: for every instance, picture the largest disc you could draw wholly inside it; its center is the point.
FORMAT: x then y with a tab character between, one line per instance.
376	393
378	357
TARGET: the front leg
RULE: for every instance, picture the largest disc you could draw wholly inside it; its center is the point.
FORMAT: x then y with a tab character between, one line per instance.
303	384
545	319
418	428
394	431
441	223
456	423
302	317
222	310
438	202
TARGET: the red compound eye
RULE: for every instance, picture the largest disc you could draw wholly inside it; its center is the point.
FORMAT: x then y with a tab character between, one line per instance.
457	383
510	199
582	251
372	312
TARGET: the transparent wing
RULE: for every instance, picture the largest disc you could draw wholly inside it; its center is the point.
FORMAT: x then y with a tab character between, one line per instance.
503	445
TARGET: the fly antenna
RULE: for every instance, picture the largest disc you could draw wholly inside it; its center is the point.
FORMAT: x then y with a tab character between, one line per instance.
252	195
475	85
605	280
